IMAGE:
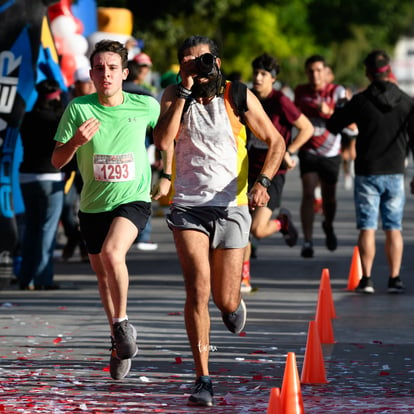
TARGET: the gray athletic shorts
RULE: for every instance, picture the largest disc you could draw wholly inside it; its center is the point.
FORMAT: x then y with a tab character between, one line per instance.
226	227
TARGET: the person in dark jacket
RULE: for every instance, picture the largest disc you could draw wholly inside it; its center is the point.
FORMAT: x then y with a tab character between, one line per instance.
42	189
384	115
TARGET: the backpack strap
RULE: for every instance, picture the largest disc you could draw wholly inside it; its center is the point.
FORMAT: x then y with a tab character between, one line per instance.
238	94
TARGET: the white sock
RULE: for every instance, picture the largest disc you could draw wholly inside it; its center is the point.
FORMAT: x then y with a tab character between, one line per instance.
114	320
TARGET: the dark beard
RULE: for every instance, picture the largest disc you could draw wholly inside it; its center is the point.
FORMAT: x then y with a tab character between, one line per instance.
206	89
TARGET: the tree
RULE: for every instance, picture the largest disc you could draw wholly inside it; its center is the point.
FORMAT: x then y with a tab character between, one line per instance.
341	30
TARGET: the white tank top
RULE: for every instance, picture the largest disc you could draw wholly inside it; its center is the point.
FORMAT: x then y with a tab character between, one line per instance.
210	161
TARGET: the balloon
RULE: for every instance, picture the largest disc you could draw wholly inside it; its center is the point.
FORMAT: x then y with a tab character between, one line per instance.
79	25
68	66
63	26
59	44
60	8
74	45
82	61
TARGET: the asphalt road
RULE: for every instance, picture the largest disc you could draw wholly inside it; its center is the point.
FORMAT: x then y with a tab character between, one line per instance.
54	344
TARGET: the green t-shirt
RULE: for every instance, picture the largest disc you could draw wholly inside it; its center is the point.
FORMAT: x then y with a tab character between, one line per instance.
114	164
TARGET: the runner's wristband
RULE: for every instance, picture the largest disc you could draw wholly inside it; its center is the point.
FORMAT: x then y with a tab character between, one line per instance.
164	175
182	92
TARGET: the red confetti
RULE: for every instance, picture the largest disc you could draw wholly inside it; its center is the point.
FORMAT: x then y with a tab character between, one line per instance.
178	360
57	340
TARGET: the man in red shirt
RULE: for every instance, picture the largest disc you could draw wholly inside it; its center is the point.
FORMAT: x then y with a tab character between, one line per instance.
320	157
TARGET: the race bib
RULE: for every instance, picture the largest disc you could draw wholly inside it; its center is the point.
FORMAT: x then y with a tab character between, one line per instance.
114	168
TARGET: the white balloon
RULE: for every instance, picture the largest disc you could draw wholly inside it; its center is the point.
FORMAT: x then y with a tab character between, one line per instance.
82	61
63	26
75	44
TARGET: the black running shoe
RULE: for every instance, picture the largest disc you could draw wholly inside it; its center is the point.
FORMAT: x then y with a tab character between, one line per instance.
290	234
125	336
307	250
395	285
331	241
236	320
202	394
365	285
118	368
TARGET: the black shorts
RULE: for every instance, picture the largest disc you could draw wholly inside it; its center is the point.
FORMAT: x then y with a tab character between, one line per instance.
326	167
275	190
95	226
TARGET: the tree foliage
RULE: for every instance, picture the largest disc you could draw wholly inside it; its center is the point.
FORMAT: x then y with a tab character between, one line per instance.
341	30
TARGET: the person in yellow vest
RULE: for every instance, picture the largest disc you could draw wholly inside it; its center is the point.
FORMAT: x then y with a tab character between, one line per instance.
209	215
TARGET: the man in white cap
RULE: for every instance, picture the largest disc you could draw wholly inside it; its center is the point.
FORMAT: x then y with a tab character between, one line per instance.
83	84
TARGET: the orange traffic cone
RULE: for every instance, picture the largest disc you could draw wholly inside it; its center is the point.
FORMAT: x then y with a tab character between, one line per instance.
355	271
275	402
291	395
313	369
325	292
324	319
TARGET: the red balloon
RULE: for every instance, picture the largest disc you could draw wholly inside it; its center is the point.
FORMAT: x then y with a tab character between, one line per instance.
59	44
59	9
68	67
79	25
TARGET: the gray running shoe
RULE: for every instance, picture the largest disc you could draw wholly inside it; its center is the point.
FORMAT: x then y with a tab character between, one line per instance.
118	368
125	336
202	394
236	320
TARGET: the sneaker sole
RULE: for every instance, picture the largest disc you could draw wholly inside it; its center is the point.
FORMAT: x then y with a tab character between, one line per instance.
199	403
243	304
395	290
368	290
126	369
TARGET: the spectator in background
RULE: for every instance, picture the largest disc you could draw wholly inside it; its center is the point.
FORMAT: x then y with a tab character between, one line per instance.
134	81
42	189
142	73
348	136
83	84
320	158
384	115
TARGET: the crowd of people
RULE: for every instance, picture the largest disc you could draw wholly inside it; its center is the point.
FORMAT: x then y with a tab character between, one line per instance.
226	148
